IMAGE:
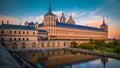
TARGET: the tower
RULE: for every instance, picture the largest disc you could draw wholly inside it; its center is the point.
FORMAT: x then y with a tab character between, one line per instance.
62	18
26	23
36	25
49	18
57	19
70	20
104	26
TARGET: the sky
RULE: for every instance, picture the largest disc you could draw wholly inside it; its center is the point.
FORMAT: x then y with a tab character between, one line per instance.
84	12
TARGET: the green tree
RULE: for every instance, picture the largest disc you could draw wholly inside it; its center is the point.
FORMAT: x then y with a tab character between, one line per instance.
115	42
117	49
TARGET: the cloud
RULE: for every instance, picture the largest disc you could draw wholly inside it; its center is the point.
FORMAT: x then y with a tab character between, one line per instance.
83	13
38	19
58	13
11	20
95	11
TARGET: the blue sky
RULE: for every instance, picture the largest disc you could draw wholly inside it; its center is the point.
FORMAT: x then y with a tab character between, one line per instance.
83	11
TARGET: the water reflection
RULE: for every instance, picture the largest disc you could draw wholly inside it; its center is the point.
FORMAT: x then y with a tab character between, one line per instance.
66	59
104	60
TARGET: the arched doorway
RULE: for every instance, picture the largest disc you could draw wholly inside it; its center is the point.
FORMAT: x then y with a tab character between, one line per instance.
14	46
33	45
48	44
23	45
42	44
53	44
64	44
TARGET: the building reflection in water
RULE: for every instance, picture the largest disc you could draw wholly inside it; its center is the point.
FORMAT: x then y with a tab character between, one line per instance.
56	58
104	60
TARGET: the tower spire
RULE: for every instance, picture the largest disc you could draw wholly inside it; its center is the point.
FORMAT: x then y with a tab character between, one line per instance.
103	20
70	16
50	6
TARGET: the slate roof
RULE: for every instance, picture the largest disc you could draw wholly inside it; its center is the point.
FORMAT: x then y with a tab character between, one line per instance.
11	26
77	26
31	23
49	13
103	24
42	31
41	24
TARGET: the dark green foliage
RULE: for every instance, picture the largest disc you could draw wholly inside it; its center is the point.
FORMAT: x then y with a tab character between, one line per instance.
100	45
73	43
86	46
117	49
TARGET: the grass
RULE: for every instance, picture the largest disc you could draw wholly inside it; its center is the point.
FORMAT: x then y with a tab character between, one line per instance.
103	49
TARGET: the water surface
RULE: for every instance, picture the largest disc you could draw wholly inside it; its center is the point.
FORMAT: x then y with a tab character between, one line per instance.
67	59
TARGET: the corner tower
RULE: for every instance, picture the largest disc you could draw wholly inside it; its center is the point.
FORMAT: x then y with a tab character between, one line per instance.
49	18
104	26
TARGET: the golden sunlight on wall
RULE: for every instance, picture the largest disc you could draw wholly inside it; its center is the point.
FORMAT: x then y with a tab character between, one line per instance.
113	29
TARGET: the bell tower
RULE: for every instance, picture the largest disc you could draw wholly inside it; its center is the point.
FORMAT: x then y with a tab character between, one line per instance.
49	18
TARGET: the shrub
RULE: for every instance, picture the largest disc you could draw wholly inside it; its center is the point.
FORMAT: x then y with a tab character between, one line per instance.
74	44
117	49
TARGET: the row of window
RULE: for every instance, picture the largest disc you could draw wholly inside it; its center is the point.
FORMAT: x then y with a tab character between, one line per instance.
16	39
19	32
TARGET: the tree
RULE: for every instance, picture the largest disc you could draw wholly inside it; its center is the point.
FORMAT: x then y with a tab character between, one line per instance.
117	49
73	43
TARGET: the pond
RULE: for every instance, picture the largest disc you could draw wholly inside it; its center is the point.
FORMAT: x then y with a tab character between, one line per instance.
67	59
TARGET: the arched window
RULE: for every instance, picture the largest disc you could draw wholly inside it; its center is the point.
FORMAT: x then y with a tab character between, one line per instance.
19	32
23	39
2	39
10	38
33	32
23	32
23	45
27	39
19	38
48	44
14	38
10	32
2	31
27	32
14	45
14	32
42	44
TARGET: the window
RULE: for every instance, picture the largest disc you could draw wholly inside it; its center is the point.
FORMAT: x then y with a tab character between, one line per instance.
27	32
10	38
27	39
33	32
2	39
10	32
14	32
2	31
19	32
19	38
14	38
23	32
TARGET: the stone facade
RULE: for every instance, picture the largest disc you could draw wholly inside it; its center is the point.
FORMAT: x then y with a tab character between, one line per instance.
50	33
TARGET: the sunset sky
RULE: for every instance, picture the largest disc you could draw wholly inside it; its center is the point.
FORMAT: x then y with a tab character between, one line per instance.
84	12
